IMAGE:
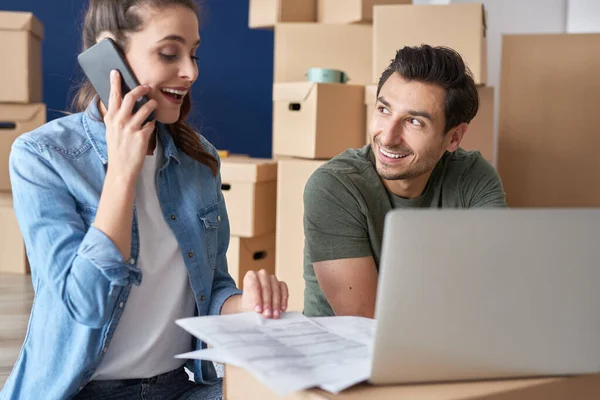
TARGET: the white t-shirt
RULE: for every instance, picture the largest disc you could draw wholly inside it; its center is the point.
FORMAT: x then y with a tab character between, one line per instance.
146	338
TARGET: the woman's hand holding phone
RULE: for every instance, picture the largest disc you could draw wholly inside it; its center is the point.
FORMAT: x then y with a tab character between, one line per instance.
126	138
127	143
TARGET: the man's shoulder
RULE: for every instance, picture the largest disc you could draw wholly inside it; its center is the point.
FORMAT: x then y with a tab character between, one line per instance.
466	164
473	179
351	165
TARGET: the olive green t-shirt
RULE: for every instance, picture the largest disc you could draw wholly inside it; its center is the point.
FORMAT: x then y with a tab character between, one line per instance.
345	203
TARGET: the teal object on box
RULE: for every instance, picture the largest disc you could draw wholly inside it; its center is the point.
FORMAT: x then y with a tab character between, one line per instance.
326	75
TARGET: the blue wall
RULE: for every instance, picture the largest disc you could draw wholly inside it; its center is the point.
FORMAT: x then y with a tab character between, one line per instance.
232	96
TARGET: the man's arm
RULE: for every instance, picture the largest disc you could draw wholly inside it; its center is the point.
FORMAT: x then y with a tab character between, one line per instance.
337	243
350	285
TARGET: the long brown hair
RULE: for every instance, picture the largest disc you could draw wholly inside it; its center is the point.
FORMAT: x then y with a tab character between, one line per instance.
119	17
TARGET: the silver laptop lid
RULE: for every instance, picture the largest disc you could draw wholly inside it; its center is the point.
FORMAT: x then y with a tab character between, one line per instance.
487	293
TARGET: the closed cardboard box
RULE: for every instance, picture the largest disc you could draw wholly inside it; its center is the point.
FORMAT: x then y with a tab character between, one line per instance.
350	11
548	120
249	186
479	136
459	26
250	254
21	66
370	101
240	384
298	47
16	119
13	259
317	120
267	13
292	176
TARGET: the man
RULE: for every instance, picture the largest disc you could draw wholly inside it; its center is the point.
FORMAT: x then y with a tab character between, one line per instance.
425	101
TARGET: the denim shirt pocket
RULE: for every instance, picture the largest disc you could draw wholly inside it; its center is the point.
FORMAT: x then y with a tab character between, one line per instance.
210	221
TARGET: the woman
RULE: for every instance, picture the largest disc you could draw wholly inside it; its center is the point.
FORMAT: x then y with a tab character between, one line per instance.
125	226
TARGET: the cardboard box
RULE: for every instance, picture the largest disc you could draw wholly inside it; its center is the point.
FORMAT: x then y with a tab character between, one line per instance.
250	254
21	34
548	120
267	13
13	259
16	119
292	176
241	385
350	11
317	120
249	186
370	101
479	136
348	48
459	26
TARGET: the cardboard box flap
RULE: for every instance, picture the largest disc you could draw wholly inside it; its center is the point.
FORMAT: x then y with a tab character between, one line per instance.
484	20
14	113
21	21
258	248
292	91
370	93
248	170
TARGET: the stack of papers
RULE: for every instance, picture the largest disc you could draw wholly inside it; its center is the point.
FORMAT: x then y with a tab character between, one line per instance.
291	353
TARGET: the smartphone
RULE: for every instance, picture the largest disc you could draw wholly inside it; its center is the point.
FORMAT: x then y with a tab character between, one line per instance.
98	61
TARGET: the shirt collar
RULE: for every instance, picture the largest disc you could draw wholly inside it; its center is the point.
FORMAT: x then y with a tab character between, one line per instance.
96	133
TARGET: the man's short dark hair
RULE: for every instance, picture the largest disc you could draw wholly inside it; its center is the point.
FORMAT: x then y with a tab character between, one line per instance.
442	66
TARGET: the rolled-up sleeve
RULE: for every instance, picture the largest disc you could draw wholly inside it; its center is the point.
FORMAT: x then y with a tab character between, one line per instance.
80	264
223	284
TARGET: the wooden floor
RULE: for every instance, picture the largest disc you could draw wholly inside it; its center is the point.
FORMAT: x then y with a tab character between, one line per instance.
16	297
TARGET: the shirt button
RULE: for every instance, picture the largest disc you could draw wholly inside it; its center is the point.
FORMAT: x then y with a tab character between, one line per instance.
218	218
191	254
121	304
201	298
104	349
173	217
131	261
81	388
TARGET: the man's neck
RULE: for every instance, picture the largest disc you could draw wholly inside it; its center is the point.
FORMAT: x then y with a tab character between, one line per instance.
408	188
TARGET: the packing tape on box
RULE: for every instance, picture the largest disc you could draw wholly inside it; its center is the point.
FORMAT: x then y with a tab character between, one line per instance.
326	75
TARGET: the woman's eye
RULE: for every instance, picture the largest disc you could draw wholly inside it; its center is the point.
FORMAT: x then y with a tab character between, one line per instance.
169	57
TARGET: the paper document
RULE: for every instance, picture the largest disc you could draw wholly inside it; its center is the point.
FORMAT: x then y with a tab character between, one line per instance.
291	353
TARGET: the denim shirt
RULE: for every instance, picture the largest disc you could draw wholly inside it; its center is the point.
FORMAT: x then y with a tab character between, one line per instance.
80	279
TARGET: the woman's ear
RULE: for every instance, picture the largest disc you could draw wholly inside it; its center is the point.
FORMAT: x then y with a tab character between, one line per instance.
456	135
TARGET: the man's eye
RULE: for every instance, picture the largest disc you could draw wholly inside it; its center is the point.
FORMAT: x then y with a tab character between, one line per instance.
384	110
414	121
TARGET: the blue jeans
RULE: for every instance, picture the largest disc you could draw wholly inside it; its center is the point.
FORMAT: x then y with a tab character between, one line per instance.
174	385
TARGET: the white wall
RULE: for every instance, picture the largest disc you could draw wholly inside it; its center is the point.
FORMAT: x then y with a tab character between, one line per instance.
583	16
514	17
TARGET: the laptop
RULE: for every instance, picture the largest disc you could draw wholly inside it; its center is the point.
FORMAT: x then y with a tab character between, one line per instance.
487	294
